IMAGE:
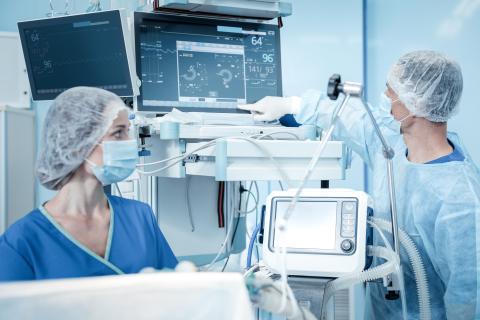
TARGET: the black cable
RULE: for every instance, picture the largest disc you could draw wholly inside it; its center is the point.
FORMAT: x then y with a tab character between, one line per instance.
220	208
279	22
238	218
226	262
234	229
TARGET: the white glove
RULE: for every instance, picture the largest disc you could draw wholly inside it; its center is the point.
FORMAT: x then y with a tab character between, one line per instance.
269	298
185	266
272	108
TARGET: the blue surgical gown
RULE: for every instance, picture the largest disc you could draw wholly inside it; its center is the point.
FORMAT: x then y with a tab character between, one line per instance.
438	206
36	247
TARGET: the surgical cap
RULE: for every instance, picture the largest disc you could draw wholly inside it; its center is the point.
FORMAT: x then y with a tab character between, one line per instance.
74	125
428	83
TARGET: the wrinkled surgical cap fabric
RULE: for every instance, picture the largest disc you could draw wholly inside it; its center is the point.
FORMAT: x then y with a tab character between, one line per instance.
428	83
75	123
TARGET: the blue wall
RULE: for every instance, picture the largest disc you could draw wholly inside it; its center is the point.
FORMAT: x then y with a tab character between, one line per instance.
395	27
321	38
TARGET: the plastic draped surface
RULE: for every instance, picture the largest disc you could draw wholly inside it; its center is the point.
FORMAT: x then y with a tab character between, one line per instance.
163	295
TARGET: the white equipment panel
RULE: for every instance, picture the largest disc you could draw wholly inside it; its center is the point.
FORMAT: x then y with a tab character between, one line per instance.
240	153
233	159
14	88
326	234
17	160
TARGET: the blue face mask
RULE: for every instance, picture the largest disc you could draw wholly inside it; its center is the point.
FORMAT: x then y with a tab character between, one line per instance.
385	103
387	118
119	161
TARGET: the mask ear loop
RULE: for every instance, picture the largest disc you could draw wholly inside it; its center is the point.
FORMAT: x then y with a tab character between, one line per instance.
91	163
406	117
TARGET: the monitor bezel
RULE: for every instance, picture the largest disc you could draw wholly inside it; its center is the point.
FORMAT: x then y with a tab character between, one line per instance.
140	17
127	45
338	237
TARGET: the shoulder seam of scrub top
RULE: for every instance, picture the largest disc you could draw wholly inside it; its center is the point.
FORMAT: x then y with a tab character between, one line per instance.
83	247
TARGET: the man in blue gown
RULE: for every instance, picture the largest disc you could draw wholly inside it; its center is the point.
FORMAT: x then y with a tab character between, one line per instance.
437	184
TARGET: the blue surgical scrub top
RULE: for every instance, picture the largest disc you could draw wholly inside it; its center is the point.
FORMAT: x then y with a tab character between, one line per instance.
37	247
455	155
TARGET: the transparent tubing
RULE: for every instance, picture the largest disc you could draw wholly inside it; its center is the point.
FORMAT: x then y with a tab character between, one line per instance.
418	268
281	229
232	202
316	156
377	272
400	274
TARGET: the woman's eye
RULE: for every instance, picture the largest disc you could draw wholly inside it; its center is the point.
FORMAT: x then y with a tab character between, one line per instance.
121	133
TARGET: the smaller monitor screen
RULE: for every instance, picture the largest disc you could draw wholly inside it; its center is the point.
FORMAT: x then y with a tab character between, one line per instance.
312	225
204	65
78	50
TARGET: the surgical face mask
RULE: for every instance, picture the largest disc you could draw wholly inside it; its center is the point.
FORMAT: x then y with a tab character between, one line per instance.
119	161
391	122
385	103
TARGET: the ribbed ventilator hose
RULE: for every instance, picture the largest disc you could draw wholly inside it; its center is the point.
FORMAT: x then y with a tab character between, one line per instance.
417	266
374	273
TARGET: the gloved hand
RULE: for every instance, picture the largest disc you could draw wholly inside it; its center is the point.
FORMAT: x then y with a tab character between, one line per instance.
272	108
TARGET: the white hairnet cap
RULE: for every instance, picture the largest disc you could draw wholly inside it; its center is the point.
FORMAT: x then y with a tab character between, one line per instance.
75	123
428	83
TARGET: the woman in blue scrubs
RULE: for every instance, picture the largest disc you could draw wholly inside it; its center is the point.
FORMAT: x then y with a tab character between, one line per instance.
82	231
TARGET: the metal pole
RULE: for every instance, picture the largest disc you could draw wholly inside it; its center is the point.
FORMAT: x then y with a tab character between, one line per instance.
388	154
393	205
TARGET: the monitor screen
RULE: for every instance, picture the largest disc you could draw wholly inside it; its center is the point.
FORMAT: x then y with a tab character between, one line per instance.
78	50
313	225
204	65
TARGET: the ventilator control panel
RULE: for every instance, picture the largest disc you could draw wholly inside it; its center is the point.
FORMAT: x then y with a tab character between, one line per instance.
325	236
317	225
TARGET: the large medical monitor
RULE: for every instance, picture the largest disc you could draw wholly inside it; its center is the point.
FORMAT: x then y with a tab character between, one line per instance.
78	50
204	65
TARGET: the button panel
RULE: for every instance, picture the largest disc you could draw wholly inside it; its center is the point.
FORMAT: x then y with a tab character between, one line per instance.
349	214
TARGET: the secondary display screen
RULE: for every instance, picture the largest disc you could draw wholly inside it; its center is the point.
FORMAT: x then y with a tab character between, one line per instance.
204	65
311	226
78	50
